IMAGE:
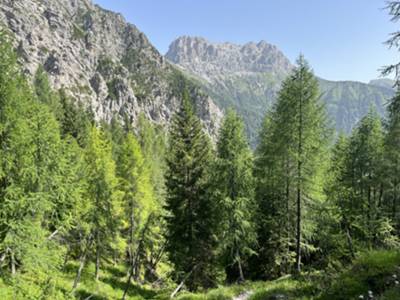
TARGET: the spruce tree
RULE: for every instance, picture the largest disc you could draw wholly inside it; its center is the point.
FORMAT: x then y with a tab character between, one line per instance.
190	219
235	195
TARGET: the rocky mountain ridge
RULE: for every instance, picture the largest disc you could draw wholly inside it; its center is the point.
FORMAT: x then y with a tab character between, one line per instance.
100	59
210	60
248	77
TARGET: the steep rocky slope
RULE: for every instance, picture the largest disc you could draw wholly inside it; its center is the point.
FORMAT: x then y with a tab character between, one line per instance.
100	59
248	77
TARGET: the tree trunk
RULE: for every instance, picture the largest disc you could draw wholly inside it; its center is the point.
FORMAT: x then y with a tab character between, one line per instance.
13	268
287	266
349	239
241	276
298	233
182	283
394	210
128	282
369	217
130	246
97	272
299	185
82	262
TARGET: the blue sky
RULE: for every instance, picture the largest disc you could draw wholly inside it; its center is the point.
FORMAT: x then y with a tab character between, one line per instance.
342	39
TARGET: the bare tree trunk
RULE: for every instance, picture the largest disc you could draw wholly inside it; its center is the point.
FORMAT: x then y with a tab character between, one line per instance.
79	273
13	268
182	283
241	276
128	282
82	262
133	270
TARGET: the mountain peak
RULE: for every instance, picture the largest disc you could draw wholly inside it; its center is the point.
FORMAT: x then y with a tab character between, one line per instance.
208	59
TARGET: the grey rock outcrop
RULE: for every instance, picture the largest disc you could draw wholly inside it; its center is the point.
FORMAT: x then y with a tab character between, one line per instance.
210	61
100	59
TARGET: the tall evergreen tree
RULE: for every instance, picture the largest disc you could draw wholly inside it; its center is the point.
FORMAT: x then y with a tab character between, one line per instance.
392	160
190	220
292	146
235	194
138	193
364	183
104	199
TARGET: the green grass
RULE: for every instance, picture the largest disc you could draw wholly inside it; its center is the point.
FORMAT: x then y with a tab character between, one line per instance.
221	293
305	287
372	271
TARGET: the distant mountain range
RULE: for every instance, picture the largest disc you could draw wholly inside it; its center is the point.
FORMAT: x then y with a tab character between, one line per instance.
248	77
110	66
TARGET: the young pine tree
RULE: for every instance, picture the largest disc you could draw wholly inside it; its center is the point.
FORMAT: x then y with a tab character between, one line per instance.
190	219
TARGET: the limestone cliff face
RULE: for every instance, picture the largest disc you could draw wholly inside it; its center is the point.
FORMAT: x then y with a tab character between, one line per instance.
210	61
100	59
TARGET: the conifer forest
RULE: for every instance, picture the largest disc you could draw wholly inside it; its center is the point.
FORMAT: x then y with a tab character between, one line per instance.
123	207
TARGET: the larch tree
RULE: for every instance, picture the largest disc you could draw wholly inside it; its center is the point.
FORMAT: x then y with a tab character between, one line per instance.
104	199
392	160
138	199
289	159
364	180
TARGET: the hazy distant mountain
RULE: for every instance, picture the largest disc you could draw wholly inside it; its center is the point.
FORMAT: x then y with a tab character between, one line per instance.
248	77
383	82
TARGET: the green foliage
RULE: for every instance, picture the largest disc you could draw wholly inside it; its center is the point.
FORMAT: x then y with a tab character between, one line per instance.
190	219
373	271
77	32
357	187
288	167
113	88
103	196
79	199
234	188
391	161
45	94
